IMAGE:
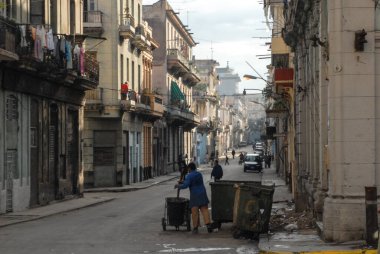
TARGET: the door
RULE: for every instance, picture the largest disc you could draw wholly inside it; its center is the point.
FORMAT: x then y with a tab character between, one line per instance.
104	158
11	173
34	152
72	149
53	153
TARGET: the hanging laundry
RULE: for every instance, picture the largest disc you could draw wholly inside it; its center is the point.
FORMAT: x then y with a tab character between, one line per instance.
69	59
81	60
56	47
50	40
23	42
43	36
62	51
33	32
77	57
38	53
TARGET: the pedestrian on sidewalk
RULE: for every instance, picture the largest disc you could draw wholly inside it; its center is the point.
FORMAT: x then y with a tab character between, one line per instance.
226	161
198	197
268	161
233	153
217	171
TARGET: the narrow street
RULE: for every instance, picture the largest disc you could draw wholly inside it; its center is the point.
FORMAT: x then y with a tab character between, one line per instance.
129	224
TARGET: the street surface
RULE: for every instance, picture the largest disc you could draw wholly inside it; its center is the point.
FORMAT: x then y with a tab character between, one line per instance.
129	224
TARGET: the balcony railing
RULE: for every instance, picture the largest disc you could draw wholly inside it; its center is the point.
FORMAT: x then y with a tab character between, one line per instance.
8	43
92	17
93	23
175	55
127	26
48	60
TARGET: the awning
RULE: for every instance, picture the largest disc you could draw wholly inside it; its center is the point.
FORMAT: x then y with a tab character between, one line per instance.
284	77
176	93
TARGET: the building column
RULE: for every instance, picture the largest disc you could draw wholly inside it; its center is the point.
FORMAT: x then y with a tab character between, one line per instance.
351	119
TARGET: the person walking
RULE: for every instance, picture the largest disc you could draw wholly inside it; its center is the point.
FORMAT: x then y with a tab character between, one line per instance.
217	171
226	161
233	153
198	197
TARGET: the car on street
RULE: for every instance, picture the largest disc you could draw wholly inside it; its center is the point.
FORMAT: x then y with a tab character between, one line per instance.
253	161
242	144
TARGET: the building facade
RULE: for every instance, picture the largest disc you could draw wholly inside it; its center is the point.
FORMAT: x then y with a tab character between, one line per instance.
44	74
174	75
336	119
120	114
206	106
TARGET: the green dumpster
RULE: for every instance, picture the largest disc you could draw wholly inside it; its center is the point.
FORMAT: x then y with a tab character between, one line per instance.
222	199
252	210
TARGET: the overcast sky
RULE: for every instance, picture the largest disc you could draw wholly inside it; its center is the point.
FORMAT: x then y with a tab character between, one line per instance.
224	30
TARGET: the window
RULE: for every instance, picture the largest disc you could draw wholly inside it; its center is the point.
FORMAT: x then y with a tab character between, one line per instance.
133	7
139	77
133	75
127	69
121	68
12	108
37	13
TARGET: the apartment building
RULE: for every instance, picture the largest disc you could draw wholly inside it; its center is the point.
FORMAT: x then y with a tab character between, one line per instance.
335	110
119	144
44	74
174	75
206	104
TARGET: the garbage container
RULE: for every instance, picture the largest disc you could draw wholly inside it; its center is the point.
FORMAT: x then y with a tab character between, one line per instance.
177	213
252	210
222	199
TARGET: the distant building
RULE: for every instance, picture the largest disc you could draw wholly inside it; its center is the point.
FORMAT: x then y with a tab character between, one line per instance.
207	106
174	76
229	81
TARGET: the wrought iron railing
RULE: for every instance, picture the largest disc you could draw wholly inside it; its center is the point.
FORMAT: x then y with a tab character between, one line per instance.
8	31
93	17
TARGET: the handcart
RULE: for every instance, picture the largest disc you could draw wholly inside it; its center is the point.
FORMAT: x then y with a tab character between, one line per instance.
177	213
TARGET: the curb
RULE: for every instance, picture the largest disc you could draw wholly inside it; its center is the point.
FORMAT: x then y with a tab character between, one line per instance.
38	217
357	251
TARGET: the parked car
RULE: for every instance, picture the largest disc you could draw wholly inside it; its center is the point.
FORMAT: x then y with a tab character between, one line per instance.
242	143
253	161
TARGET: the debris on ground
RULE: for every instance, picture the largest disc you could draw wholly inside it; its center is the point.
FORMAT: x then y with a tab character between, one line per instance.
284	218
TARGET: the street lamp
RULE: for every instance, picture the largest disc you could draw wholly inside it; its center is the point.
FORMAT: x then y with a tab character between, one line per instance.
245	92
248	77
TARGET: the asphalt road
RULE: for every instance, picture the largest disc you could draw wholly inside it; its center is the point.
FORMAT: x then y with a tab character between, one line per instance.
129	224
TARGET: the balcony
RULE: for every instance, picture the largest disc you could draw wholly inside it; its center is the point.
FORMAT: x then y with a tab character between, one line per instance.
150	106
205	125
128	101
92	23
8	43
177	62
192	77
127	27
140	40
81	72
184	118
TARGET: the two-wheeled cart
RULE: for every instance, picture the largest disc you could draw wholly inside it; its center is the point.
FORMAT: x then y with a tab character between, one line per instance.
177	213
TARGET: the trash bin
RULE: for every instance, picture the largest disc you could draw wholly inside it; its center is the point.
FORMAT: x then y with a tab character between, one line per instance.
177	213
222	199
252	210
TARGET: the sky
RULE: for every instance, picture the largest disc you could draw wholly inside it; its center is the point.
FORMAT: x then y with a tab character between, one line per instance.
227	31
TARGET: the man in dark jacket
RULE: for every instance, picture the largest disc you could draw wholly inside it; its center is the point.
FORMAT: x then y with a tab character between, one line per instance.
198	197
217	171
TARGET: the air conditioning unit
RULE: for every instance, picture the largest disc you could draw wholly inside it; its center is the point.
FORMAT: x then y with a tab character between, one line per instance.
127	104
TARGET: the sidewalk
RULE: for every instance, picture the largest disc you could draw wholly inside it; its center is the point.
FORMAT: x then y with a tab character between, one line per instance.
91	197
298	241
